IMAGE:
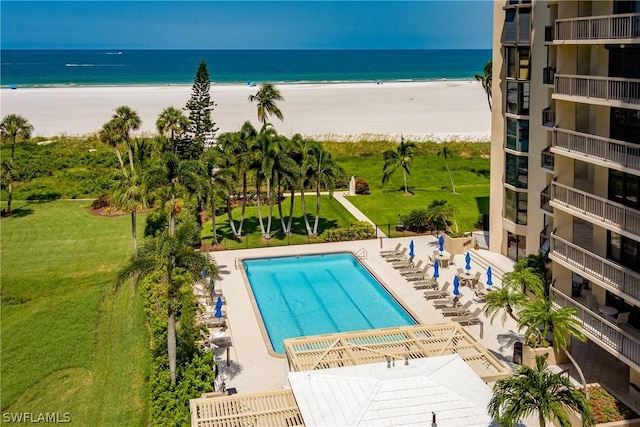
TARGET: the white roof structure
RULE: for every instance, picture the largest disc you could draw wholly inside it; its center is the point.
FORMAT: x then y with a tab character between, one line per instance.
400	395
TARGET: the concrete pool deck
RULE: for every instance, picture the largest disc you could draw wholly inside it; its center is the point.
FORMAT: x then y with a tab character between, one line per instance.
253	369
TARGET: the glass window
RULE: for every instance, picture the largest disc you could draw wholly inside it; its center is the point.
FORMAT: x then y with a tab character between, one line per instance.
517	169
510	53
518	98
624	250
517	63
625	125
510	26
524	25
523	63
515	208
518	134
624	188
516	246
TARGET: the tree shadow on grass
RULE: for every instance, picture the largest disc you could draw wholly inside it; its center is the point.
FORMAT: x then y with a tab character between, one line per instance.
251	227
23	210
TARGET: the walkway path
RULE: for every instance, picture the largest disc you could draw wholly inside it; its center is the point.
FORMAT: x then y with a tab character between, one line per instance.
339	196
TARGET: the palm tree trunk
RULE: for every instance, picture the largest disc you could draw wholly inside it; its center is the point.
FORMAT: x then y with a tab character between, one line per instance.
304	212
541	419
119	156
134	233
244	202
270	203
489	99
453	187
282	222
317	221
171	344
213	219
404	177
130	148
580	373
232	223
10	188
259	207
293	194
172	217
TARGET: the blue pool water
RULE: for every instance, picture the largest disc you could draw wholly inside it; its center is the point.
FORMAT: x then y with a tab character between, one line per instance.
319	294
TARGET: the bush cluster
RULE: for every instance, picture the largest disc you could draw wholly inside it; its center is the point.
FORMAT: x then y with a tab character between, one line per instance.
362	186
360	231
418	220
101	202
606	408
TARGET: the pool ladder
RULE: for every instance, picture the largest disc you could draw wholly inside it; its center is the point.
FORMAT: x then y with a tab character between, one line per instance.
238	264
361	254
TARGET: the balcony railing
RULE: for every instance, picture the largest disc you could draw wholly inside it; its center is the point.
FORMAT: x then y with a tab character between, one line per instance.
545	198
598	208
594	28
599	88
548	117
622	153
548	73
595	268
604	331
548	159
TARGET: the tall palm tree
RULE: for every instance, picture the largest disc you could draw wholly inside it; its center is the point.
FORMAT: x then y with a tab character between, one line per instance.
537	391
14	128
485	80
111	134
172	121
268	147
401	157
265	100
174	255
324	172
446	154
130	195
127	120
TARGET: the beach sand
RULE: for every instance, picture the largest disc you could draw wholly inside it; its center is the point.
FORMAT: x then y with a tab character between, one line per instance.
442	110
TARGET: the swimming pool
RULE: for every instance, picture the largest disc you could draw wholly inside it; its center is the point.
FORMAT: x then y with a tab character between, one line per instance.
319	294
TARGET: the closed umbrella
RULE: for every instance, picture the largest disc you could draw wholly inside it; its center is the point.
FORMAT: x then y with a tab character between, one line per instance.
436	270
467	259
219	303
489	281
411	246
441	241
218	313
456	285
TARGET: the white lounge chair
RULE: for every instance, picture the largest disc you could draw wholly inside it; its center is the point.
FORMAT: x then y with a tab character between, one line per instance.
401	256
457	311
425	284
440	293
469	319
391	251
445	302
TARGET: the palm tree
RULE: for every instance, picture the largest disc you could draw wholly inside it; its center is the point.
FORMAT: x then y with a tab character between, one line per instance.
402	157
440	212
265	100
268	147
446	154
126	120
14	128
174	255
111	134
172	121
485	80
130	195
529	391
324	172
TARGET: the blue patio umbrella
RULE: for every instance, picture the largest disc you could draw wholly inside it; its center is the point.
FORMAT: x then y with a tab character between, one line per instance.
436	270
456	285
218	303
489	281
411	247
441	241
218	313
467	259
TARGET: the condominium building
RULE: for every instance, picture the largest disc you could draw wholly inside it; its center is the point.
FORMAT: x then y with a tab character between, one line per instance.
565	164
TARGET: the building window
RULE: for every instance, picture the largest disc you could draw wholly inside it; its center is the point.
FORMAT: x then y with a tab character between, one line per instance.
517	25
517	62
516	246
518	135
518	98
625	125
517	170
624	188
624	250
515	206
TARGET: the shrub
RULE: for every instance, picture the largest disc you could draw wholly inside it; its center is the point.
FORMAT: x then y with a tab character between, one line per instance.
606	408
156	222
360	231
362	186
417	220
101	202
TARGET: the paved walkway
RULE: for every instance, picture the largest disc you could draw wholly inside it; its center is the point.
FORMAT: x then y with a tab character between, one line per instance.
340	197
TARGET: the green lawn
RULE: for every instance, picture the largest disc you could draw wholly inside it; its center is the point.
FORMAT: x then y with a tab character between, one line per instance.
332	214
428	181
70	343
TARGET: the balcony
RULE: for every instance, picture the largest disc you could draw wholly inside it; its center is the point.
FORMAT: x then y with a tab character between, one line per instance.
548	117
548	73
621	28
611	153
548	159
607	91
618	341
545	198
596	209
595	268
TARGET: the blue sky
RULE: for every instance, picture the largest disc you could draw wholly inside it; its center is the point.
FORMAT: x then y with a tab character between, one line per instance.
450	24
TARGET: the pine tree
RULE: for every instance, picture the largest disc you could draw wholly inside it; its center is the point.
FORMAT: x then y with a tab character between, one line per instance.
200	105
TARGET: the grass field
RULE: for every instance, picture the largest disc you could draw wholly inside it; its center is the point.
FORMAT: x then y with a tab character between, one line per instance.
70	342
428	181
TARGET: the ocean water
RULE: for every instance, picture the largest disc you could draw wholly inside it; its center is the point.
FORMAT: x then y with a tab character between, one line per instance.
154	67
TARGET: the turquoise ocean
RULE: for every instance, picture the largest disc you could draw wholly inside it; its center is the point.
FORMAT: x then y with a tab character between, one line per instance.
47	68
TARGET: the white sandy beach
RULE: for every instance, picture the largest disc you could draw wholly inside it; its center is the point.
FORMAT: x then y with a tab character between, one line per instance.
442	110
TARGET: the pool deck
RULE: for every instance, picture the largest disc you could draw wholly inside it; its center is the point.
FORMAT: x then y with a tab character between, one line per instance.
253	369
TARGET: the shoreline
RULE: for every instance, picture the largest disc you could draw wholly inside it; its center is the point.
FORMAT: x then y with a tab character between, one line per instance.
438	110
